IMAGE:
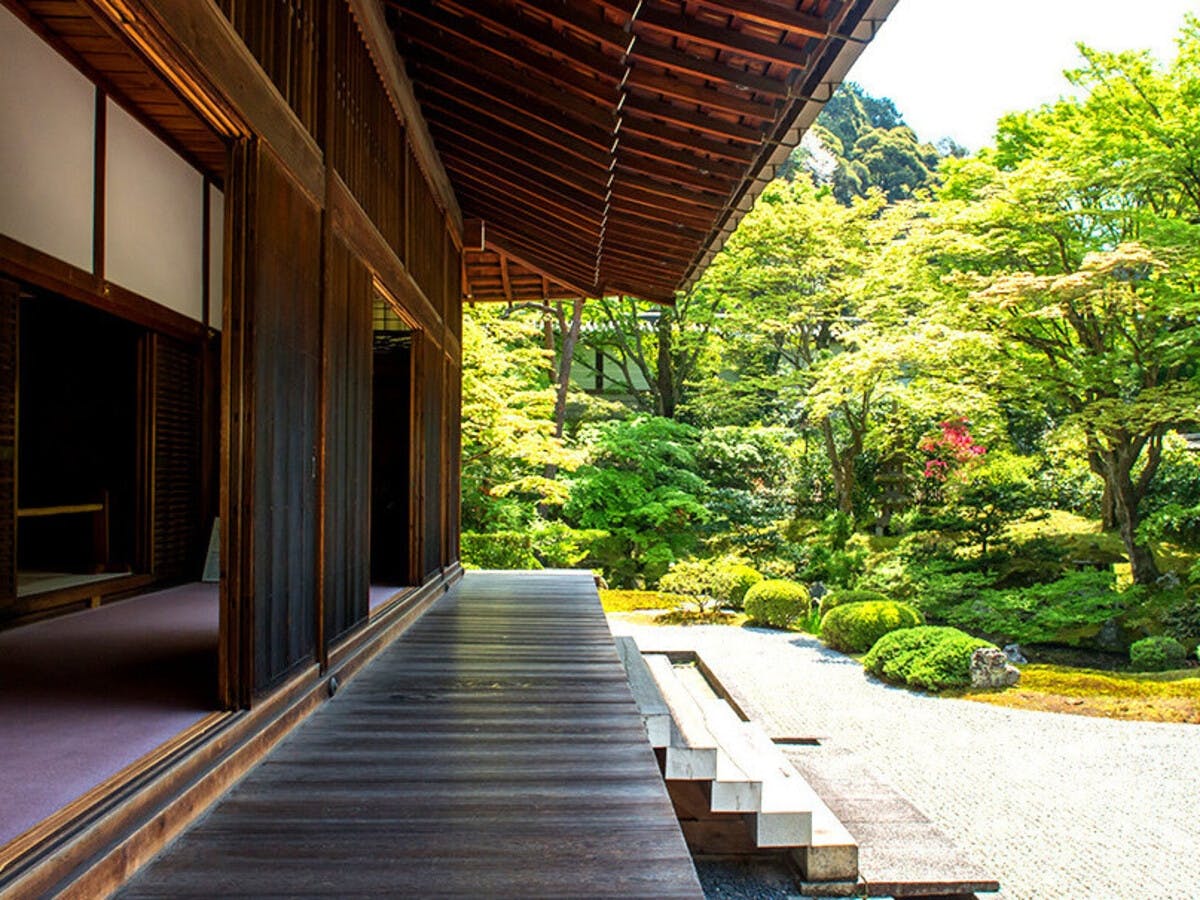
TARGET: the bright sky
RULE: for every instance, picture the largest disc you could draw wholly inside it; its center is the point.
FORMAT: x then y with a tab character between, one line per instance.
953	67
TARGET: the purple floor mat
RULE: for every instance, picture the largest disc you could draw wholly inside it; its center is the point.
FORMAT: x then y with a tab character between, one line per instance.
84	695
380	594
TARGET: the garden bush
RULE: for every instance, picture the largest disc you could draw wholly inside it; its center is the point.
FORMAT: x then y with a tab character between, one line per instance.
856	627
1157	654
741	579
834	599
777	603
498	550
928	656
558	546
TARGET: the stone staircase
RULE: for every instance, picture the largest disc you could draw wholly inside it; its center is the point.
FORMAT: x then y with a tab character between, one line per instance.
735	793
738	796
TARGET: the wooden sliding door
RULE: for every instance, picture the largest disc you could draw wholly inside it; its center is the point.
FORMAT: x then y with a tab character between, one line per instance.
272	347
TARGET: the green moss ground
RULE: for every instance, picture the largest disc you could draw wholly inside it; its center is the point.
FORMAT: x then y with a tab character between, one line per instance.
1150	697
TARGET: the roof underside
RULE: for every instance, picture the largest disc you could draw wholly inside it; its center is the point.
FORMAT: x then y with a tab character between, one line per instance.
610	146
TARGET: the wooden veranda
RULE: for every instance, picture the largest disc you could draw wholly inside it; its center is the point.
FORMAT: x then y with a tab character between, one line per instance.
494	750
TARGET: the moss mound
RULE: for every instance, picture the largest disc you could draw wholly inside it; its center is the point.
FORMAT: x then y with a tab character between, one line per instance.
856	627
929	657
834	599
1157	654
778	603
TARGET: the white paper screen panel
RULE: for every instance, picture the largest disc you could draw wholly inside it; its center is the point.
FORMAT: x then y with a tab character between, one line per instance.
47	147
216	258
153	218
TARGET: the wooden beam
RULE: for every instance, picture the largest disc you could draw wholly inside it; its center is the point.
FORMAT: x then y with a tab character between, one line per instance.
710	69
678	89
705	123
688	142
502	244
449	115
631	163
584	221
429	24
773	16
645	144
689	28
576	18
566	172
500	79
543	124
567	48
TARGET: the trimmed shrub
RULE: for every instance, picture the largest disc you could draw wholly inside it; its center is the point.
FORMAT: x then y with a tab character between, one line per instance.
855	628
927	656
741	579
1157	654
777	603
498	550
834	599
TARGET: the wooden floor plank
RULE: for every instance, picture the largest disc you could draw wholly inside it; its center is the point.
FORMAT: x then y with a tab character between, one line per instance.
494	750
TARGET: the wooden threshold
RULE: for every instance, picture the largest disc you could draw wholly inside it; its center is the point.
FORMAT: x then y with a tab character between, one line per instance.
90	848
33	606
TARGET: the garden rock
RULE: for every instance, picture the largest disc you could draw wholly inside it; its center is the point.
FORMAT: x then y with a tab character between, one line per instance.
990	669
1014	655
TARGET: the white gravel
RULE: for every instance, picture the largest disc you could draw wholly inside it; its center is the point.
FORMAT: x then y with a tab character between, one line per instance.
1055	806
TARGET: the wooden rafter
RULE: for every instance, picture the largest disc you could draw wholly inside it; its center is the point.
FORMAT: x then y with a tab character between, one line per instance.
610	144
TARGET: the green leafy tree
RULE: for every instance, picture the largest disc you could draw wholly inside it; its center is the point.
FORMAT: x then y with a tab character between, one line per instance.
508	433
640	487
1115	344
984	499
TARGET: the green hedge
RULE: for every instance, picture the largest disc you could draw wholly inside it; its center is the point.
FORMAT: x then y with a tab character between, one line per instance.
777	603
498	550
834	599
1157	654
856	627
929	657
742	578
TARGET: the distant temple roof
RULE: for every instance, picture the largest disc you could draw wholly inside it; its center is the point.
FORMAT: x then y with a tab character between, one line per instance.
612	146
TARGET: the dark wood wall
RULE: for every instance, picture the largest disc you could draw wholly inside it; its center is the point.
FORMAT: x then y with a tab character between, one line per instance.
347	469
273	342
378	225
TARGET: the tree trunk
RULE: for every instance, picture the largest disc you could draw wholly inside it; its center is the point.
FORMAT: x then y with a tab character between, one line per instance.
665	376
570	340
1108	504
842	465
1117	465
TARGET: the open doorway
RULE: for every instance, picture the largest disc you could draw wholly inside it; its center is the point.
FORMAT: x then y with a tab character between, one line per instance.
391	454
108	642
77	446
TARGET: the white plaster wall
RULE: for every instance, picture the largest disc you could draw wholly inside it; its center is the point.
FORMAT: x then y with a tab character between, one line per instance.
153	217
216	258
47	147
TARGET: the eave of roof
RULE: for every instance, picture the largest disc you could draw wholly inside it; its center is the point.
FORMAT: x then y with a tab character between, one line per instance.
612	146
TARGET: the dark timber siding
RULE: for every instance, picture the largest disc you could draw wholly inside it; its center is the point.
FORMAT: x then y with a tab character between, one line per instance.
431	389
494	750
347	441
283	314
